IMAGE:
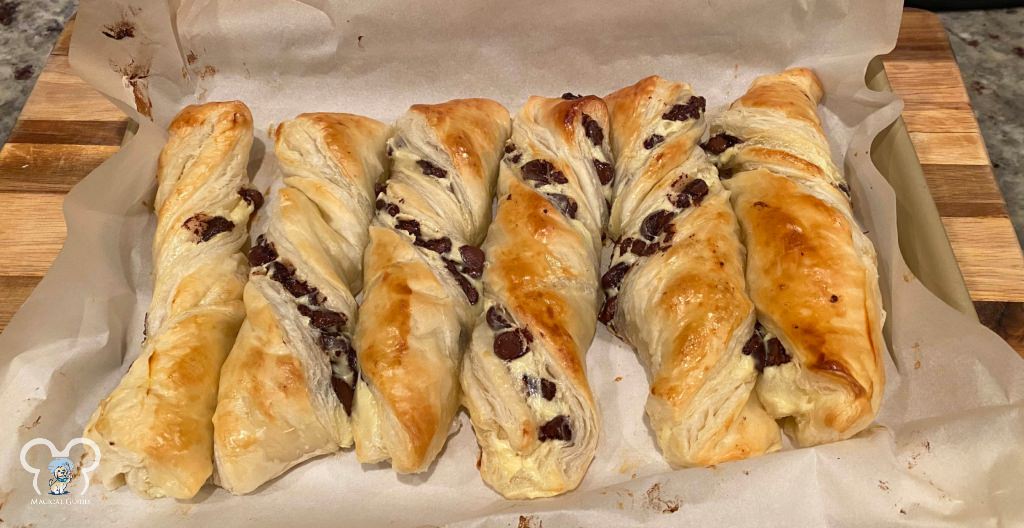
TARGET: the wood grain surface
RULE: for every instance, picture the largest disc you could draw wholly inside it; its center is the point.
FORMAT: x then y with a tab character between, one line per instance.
67	129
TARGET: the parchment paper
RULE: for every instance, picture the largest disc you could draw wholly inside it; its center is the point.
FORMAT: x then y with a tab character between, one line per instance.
946	449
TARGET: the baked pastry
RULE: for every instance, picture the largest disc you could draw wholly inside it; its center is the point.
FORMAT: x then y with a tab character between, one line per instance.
154	429
674	287
286	388
524	379
422	270
811	272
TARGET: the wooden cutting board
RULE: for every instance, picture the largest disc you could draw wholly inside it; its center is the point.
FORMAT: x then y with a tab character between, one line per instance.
67	129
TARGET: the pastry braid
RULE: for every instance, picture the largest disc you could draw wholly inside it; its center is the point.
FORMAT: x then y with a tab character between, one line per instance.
154	429
524	379
422	270
811	272
286	388
675	288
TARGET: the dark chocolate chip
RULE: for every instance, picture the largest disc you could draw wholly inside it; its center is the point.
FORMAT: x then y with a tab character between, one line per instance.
510	147
334	344
567	205
718	144
430	169
692	109
542	172
608	310
380	204
653	141
613	277
548	389
511	344
205	227
605	171
557	428
498	318
624	245
569	96
472	260
725	173
593	130
640	249
391	151
467	288
345	393
754	346
655	223
693	193
285	274
833	299
324	320
516	157
775	354
409	226
438	245
391	209
262	253
251	197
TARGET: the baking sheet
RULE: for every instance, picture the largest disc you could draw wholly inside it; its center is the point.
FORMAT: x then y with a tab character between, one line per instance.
945	450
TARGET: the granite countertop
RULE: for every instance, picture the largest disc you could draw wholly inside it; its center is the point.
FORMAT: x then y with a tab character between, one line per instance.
989	47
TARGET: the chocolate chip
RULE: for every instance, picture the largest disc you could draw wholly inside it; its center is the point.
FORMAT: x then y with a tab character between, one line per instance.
605	171
557	428
472	260
430	169
409	226
285	274
511	344
653	141
842	186
498	318
754	346
438	245
542	172
776	354
567	205
344	392
251	197
608	310
333	343
726	173
262	253
548	389
692	194
569	96
833	299
510	147
391	209
692	109
516	157
205	227
624	245
380	204
593	130
467	287
545	387
613	277
324	320
640	249
719	143
390	151
655	223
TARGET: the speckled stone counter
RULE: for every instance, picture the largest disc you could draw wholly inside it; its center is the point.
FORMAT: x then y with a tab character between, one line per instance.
989	47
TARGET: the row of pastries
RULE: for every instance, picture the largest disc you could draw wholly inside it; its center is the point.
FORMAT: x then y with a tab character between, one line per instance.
737	273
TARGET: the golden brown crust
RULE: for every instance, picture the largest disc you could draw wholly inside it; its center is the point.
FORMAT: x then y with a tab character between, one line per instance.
795	92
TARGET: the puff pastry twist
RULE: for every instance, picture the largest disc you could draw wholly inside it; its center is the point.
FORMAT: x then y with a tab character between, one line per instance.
422	270
675	288
811	272
524	378
154	430
286	388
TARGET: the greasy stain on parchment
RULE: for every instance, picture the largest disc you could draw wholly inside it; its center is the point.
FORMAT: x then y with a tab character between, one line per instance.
123	27
135	77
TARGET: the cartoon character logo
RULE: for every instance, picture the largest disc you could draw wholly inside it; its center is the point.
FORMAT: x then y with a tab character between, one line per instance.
63	470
